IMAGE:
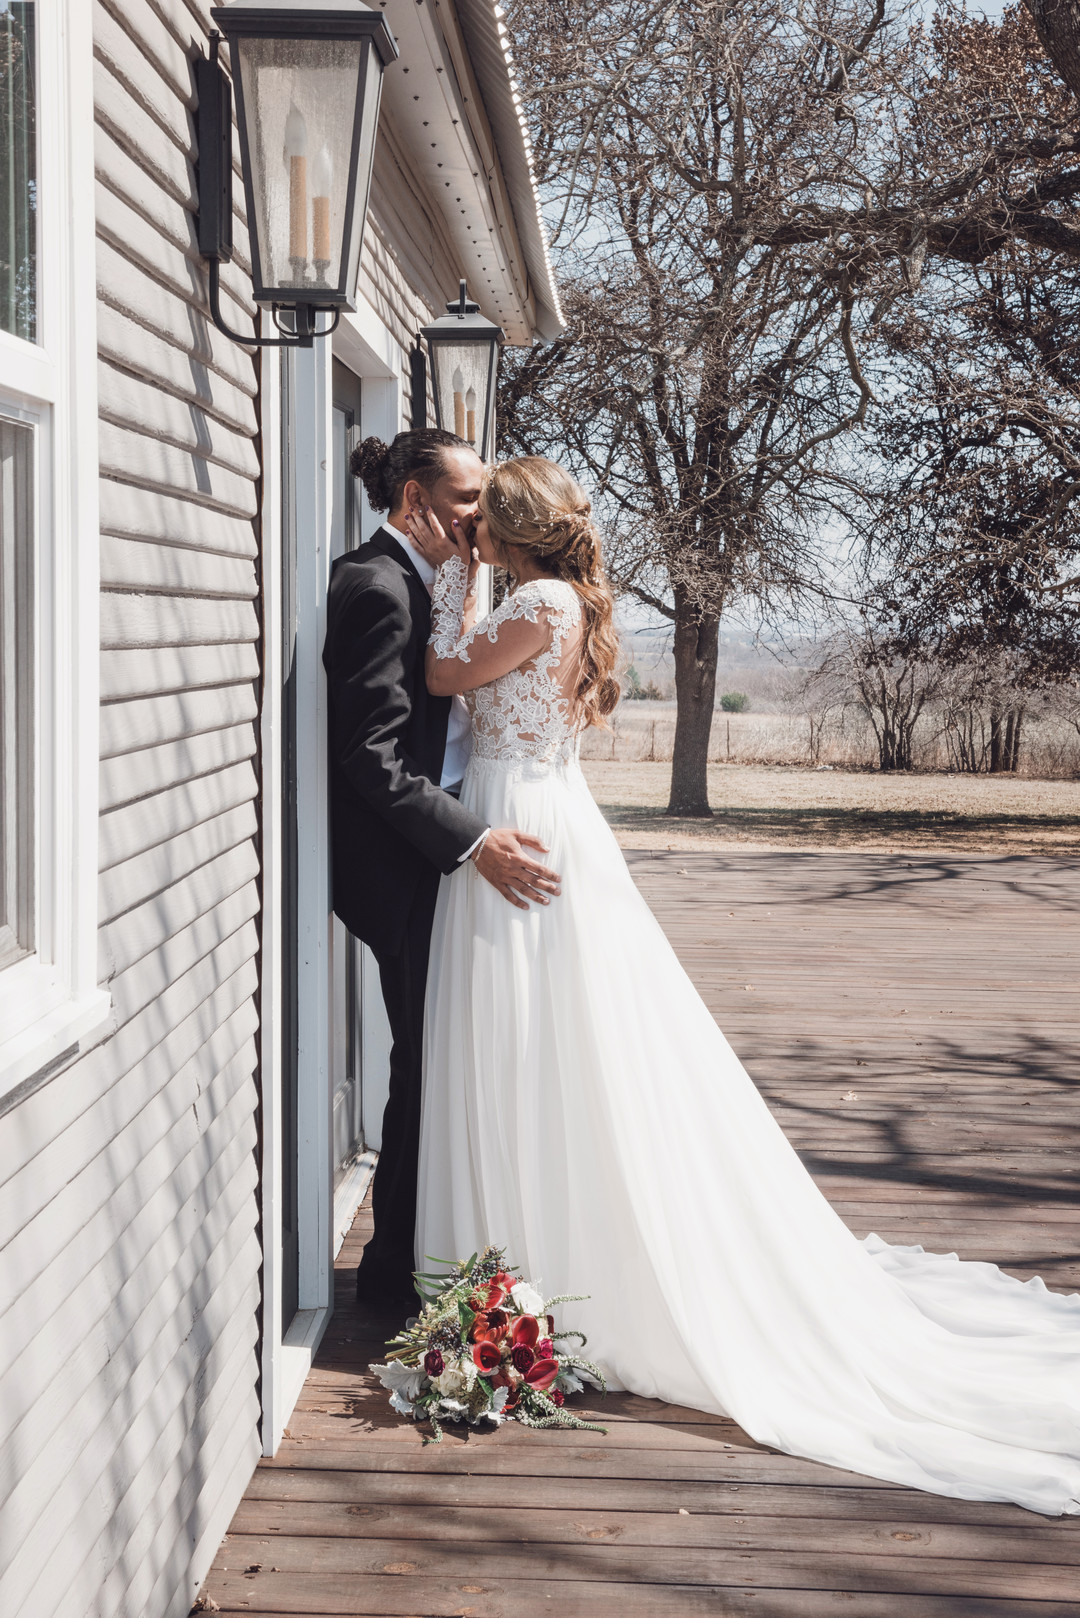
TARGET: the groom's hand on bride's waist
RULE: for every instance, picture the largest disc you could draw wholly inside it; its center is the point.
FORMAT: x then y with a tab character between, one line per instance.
504	859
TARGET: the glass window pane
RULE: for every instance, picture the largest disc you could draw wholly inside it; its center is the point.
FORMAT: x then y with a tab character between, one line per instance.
16	690
18	170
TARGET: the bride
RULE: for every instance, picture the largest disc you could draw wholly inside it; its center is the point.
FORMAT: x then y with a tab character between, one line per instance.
582	1108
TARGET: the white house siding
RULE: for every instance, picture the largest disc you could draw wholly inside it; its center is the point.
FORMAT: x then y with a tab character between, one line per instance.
128	1183
408	266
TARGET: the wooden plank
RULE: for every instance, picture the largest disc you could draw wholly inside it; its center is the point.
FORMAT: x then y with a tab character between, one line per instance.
502	1523
373	1491
392	1598
508	1600
335	1567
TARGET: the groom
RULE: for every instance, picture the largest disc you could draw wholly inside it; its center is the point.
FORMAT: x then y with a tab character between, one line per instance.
397	757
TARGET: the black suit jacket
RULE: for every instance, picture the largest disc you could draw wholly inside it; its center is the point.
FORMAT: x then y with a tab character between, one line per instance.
393	828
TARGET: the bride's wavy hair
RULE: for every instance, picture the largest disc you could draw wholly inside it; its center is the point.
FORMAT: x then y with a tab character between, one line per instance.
533	506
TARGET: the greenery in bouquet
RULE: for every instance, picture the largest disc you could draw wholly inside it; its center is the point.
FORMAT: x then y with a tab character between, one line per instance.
484	1348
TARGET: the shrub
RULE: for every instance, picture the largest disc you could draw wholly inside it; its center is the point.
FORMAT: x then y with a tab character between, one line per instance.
735	702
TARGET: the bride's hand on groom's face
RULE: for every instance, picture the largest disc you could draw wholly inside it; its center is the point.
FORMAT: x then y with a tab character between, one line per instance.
433	542
507	864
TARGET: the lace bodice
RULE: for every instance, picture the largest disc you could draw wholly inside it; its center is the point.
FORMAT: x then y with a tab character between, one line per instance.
523	714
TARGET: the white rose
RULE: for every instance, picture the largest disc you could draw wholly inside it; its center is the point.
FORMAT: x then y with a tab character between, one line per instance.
454	1381
527	1298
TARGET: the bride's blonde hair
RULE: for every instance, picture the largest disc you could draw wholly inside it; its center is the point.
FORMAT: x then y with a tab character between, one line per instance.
533	506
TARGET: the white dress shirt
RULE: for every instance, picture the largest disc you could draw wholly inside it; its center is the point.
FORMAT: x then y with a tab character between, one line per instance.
459	725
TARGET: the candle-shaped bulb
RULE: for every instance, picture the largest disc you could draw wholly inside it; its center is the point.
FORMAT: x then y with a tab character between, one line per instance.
295	133
470	416
459	402
296	152
321	175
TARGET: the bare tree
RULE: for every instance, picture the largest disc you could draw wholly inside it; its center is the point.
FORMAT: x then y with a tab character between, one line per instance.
1058	24
741	194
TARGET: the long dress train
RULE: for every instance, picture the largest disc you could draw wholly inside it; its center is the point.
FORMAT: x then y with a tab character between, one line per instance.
582	1108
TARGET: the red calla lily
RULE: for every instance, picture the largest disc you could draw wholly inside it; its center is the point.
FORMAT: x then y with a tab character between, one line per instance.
486	1356
542	1374
525	1331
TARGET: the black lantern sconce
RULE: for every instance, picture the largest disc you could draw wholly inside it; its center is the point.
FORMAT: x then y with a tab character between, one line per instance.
308	80
464	349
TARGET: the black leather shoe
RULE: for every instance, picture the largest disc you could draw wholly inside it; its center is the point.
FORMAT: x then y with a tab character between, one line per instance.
377	1290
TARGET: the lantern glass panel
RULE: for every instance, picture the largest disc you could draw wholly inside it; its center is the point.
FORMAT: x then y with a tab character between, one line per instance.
463	376
300	107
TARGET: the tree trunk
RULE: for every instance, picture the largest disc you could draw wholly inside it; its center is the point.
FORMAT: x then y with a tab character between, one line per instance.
697	640
996	740
1057	23
1012	739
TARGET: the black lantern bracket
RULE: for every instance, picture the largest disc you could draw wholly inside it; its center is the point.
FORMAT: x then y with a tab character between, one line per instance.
306	76
215	223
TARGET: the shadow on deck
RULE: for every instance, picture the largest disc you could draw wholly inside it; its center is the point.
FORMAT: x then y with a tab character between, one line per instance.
913	1025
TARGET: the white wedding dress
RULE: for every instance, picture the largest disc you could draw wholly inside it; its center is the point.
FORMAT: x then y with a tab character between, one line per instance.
582	1109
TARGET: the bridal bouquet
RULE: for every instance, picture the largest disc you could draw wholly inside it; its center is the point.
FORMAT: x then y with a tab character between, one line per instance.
485	1348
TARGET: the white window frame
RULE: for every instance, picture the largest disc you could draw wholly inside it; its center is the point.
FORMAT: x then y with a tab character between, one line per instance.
51	1007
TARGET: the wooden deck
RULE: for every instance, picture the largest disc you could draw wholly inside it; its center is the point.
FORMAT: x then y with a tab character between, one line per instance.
913	1022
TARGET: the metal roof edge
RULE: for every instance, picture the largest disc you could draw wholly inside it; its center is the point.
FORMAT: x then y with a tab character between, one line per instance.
488	44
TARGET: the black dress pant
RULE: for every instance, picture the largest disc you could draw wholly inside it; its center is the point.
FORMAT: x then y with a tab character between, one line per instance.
387	1263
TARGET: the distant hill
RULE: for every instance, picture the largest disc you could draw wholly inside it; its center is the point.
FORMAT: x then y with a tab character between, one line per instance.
763	669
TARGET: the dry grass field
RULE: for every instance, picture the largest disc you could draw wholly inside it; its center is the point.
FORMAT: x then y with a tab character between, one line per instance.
781	806
774	732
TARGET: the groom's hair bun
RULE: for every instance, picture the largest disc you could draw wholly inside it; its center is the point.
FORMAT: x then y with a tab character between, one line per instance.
384	469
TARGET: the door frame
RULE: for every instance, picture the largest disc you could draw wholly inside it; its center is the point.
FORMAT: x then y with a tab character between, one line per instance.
367	347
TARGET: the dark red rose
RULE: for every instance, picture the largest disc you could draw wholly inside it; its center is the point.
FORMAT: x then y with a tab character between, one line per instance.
498	1324
433	1362
545	1349
486	1356
522	1357
525	1330
557	1397
542	1374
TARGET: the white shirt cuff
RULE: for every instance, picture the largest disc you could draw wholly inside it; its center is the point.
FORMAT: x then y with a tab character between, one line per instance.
480	841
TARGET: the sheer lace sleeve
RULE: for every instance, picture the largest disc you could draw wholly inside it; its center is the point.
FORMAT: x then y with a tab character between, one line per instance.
459	659
448	611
